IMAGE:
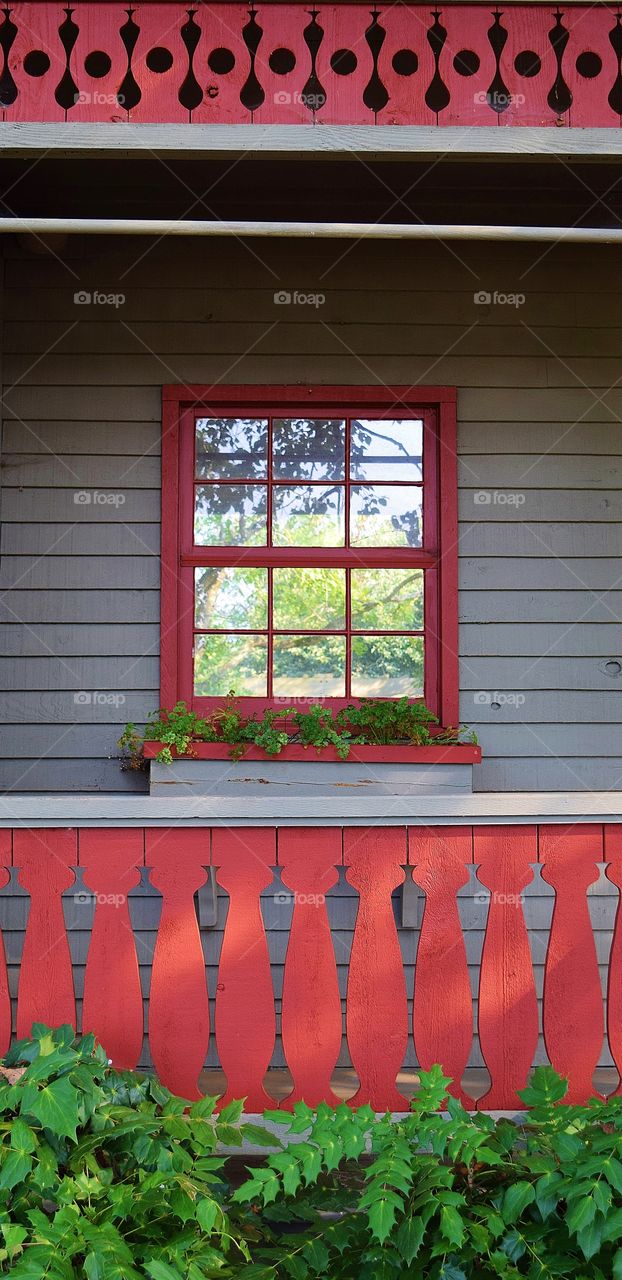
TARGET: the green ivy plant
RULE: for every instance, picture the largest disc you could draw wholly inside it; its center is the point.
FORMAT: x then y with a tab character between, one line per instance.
104	1175
375	722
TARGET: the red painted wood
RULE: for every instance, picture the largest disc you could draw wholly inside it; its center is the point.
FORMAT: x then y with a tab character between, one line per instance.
449	754
436	404
178	1005
217	93
245	1017
6	843
613	871
507	1004
113	1006
442	1004
311	1004
45	993
376	1011
573	1006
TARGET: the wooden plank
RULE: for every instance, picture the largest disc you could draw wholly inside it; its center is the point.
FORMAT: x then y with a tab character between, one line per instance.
546	574
442	1010
88	675
112	1004
597	640
121	539
27	573
572	1013
376	1016
73	403
84	607
46	994
77	472
56	707
507	1007
540	540
179	1010
23	505
245	1017
409	141
40	436
506	774
517	673
517	472
549	437
542	506
68	775
566	741
539	606
311	1010
81	639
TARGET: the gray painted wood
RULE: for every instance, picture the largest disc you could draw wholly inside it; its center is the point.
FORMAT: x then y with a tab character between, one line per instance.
80	673
40	505
592	575
540	606
539	539
81	539
561	706
536	639
60	707
19	138
116	438
79	639
542	505
80	606
25	573
313	777
94	474
536	673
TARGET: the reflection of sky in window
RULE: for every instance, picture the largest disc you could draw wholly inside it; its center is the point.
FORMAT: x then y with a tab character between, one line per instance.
385	516
229	447
308	448
387	450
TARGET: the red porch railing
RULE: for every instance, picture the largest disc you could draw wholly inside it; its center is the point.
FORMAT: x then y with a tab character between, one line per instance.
377	1027
469	64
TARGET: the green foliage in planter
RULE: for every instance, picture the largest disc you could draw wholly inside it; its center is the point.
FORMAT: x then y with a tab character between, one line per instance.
105	1176
370	721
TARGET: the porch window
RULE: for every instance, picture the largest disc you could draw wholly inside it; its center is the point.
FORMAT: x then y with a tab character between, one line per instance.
305	557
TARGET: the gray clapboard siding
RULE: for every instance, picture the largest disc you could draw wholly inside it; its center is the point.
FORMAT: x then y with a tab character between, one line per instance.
25	573
68	775
547	774
539	505
483	606
116	438
144	369
558	438
535	707
557	575
22	506
79	639
60	707
94	473
122	539
567	740
65	742
536	639
81	673
540	539
536	673
400	314
79	606
516	472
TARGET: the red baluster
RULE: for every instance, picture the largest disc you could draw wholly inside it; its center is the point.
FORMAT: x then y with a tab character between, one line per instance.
507	1005
613	871
45	992
5	999
178	1004
442	1005
573	1005
245	1017
377	1015
311	1007
113	1006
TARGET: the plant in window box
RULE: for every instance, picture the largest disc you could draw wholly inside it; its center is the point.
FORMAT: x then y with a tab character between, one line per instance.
370	723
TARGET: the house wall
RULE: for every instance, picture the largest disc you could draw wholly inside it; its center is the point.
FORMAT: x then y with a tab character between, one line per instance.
540	449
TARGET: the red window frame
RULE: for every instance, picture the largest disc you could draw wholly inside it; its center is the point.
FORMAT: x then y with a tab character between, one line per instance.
439	557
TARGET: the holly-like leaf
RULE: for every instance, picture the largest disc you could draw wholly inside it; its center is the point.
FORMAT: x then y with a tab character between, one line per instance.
516	1199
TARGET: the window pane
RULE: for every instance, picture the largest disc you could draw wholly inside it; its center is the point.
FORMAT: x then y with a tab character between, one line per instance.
308	448
232	599
386	516
230	447
309	666
387	666
230	515
314	599
225	662
386	450
387	599
308	516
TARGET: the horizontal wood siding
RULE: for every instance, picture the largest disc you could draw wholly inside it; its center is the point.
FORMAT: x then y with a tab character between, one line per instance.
540	465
